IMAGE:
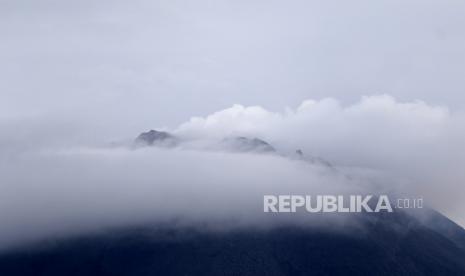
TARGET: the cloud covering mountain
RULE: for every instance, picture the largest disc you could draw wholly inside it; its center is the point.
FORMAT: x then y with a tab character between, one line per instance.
376	145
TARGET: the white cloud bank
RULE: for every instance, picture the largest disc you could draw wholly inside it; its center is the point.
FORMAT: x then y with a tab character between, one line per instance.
420	143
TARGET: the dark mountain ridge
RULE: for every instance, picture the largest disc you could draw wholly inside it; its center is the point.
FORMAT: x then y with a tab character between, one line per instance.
240	144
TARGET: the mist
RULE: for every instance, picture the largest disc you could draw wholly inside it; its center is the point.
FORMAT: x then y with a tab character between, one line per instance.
52	194
67	185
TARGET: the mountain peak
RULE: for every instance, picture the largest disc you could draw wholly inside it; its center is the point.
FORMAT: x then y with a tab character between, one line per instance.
155	137
245	144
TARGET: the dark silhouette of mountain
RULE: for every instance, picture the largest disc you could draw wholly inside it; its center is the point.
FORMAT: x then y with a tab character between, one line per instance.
299	154
245	144
449	229
234	144
386	244
239	144
154	137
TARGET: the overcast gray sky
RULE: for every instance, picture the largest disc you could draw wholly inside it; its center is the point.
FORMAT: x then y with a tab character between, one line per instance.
131	65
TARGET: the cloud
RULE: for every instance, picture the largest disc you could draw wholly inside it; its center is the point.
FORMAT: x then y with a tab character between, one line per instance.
414	141
377	145
50	194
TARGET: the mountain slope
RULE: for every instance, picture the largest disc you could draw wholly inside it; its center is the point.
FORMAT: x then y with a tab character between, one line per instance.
387	244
